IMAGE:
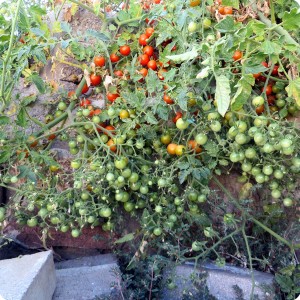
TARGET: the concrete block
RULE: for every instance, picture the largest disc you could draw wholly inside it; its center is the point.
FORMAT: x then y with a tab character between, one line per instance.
85	283
212	282
88	261
30	277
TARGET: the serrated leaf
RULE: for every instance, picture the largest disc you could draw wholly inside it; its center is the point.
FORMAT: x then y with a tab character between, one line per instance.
233	3
4	156
66	27
222	94
243	92
183	165
291	20
182	176
163	36
56	28
184	56
21	118
28	99
181	20
254	69
4	120
98	35
65	44
163	112
39	83
201	173
269	47
37	31
226	25
152	81
182	99
293	90
150	118
126	238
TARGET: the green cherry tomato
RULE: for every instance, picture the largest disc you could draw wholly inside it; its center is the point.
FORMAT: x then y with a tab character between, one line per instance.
157	231
201	138
181	124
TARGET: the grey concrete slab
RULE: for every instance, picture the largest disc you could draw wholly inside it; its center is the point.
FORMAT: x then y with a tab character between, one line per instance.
212	282
88	261
85	283
29	277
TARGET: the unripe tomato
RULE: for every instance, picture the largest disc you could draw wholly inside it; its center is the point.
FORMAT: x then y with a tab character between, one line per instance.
206	23
181	124
179	150
194	3
192	27
288	202
258	101
75	232
201	138
157	231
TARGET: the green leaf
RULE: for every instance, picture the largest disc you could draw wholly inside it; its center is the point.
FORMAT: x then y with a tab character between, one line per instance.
152	81
4	120
66	27
98	35
243	92
182	19
291	20
182	99
222	94
36	9
150	118
21	118
233	3
162	111
184	56
254	69
4	156
269	47
293	90
39	83
182	176
37	31
28	99
226	25
183	165
126	238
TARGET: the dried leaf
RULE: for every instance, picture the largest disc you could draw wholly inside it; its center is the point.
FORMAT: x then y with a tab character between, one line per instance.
68	15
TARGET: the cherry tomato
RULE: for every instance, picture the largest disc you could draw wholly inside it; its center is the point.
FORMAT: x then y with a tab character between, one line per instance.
124	114
143	39
119	73
99	61
181	124
85	102
194	3
149	31
143	72
114	58
171	149
228	10
275	70
95	79
111	145
125	50
268	89
192	144
148	50
179	150
177	116
152	65
144	59
84	89
260	109
112	97
168	99
237	55
165	139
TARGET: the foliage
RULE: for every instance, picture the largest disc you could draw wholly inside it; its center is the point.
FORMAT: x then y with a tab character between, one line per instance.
201	89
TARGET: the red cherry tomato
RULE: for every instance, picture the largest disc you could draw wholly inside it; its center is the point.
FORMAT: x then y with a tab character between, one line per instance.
112	97
125	50
168	99
177	116
84	89
149	31
144	59
114	58
152	65
95	79
143	39
99	61
148	50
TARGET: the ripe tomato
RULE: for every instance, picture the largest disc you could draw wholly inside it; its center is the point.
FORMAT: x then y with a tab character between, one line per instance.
51	137
168	99
143	39
157	1
85	102
228	10
177	116
112	97
149	31
194	3
111	145
118	73
143	72
114	58
125	50
148	50
99	61
260	109
257	75
110	128
271	99
192	144
268	89
84	89
171	149
144	59
71	93
275	70
95	79
32	141
237	55
152	65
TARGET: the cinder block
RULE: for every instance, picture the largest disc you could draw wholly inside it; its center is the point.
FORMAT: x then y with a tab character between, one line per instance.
29	277
221	283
